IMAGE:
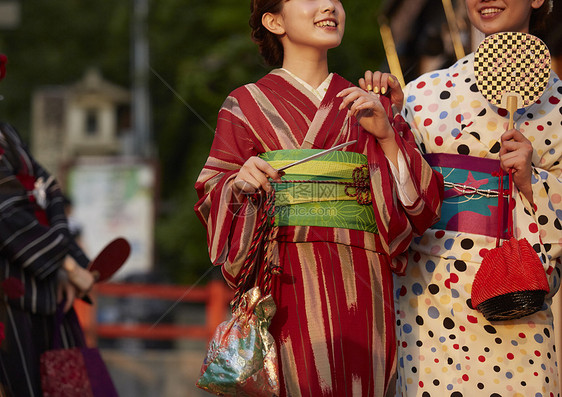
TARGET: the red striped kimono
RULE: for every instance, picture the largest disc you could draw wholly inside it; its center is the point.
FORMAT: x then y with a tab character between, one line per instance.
334	325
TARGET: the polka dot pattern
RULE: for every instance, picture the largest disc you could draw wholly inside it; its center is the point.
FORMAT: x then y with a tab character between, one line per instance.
446	348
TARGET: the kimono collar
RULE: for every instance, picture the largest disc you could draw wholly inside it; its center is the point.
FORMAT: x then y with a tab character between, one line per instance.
318	92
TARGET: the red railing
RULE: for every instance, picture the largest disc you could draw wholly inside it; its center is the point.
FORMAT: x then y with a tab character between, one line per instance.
215	295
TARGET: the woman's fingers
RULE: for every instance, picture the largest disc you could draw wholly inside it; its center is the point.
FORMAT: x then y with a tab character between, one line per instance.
509	160
383	84
372	82
515	141
70	296
368	110
377	82
507	146
348	95
514	135
352	94
368	81
395	92
67	292
516	154
259	178
243	186
60	292
363	84
361	104
268	170
356	99
254	176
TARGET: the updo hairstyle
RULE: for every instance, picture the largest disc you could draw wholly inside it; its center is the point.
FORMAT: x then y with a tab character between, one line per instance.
269	44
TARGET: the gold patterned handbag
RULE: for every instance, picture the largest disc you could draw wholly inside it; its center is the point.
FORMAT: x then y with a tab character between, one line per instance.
242	357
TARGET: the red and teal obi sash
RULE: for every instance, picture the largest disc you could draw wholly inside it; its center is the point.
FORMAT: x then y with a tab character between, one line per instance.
470	203
331	191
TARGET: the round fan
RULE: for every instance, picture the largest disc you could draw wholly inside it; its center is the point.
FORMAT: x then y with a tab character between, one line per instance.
512	70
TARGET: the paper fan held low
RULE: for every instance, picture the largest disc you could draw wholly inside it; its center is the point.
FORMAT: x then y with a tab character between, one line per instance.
511	282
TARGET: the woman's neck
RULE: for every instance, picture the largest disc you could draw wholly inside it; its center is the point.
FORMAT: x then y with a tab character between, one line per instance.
312	70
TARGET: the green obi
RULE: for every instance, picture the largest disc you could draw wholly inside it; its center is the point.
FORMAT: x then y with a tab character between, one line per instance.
331	191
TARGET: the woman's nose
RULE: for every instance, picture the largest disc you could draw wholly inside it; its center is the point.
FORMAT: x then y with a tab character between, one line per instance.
329	6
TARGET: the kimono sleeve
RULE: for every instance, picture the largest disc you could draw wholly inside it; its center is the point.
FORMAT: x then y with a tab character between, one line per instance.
428	183
397	223
541	223
56	214
25	242
229	222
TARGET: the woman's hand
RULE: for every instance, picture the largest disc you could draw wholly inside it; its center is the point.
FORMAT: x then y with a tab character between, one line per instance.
65	290
516	153
368	110
384	84
81	279
253	177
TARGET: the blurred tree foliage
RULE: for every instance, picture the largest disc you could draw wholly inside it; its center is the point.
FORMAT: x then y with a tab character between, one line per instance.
200	50
55	43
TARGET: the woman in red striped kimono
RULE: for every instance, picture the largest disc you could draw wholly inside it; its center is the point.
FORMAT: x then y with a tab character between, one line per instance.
334	325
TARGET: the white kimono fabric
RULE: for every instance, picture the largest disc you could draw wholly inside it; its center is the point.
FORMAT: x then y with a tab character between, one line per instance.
446	348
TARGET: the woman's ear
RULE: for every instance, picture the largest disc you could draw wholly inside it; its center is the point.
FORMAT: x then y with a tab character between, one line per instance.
536	4
273	23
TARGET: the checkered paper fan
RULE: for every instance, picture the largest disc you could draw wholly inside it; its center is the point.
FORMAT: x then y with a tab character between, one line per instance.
512	64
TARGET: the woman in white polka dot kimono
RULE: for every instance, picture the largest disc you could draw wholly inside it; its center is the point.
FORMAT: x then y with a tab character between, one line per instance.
446	348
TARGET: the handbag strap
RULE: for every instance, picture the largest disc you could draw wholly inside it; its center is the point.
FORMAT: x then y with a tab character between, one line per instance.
250	275
510	206
70	320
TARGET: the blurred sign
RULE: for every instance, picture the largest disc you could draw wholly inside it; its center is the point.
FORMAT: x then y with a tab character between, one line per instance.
115	198
9	14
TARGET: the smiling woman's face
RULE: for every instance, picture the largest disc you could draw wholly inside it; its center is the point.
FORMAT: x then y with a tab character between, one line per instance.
315	23
493	16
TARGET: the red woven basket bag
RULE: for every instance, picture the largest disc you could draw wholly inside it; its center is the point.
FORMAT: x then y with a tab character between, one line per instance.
511	282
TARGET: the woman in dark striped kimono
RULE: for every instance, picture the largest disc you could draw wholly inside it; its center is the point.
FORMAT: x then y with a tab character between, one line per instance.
34	244
336	239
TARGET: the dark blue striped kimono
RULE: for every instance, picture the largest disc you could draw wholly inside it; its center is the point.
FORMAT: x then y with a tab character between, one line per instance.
31	253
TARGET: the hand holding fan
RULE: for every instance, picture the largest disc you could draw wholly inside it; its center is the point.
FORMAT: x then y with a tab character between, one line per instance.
110	259
512	70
